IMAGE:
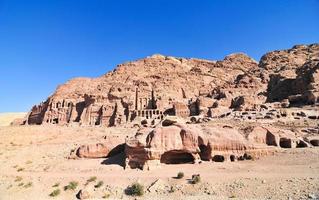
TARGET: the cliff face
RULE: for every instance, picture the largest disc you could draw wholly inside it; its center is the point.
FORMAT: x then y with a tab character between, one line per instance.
150	88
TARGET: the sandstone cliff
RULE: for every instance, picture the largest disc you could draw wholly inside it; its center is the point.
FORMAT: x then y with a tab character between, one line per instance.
151	88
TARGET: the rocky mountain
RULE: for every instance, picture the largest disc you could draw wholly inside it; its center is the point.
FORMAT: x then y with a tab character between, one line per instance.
146	90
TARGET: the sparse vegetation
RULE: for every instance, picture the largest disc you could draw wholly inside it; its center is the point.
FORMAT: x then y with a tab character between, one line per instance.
18	179
172	189
20	169
20	184
195	179
106	195
92	179
56	185
71	186
180	175
29	184
28	162
15	166
55	193
136	189
99	184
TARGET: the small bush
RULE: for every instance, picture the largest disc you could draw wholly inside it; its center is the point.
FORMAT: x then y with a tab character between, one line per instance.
136	189
28	162
106	195
92	179
180	175
20	169
28	185
55	193
195	179
172	189
56	185
20	184
99	184
18	179
72	186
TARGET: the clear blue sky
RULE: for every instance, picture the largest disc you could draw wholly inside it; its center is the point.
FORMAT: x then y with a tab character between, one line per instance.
45	43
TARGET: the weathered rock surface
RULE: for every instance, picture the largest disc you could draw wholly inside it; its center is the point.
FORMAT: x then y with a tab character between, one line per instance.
151	88
107	147
98	150
180	143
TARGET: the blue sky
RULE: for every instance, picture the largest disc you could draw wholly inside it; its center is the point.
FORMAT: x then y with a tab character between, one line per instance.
47	42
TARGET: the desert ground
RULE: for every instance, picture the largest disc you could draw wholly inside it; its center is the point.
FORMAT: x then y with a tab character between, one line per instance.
34	163
7	118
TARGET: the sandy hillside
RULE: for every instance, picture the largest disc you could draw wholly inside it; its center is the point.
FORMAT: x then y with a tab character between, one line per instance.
7	118
34	163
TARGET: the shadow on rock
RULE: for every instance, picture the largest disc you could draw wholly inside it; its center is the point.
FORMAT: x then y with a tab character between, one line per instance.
118	159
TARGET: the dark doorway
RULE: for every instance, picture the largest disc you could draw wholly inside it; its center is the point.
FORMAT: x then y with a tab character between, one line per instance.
177	157
285	143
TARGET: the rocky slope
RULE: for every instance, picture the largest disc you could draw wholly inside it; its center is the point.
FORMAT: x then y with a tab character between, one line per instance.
151	88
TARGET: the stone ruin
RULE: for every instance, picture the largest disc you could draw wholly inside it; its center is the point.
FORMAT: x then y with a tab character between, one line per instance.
97	111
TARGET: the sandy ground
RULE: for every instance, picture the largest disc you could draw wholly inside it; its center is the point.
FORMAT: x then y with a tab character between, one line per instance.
33	159
7	118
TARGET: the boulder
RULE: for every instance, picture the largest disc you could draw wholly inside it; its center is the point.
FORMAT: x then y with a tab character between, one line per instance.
98	150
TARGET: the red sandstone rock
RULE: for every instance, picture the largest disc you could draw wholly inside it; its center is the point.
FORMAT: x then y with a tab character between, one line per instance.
181	143
150	88
93	151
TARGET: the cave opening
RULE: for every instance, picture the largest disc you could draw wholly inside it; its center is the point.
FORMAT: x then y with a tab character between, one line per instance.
314	142
301	144
285	143
218	158
55	121
205	152
177	157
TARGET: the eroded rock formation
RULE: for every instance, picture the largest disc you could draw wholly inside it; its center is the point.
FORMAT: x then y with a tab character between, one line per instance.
180	143
150	88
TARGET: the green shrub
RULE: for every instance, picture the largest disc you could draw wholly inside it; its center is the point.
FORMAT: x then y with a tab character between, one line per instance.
28	162
18	179
99	184
72	186
180	175
55	193
195	179
20	169
56	185
93	178
29	184
136	189
106	195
